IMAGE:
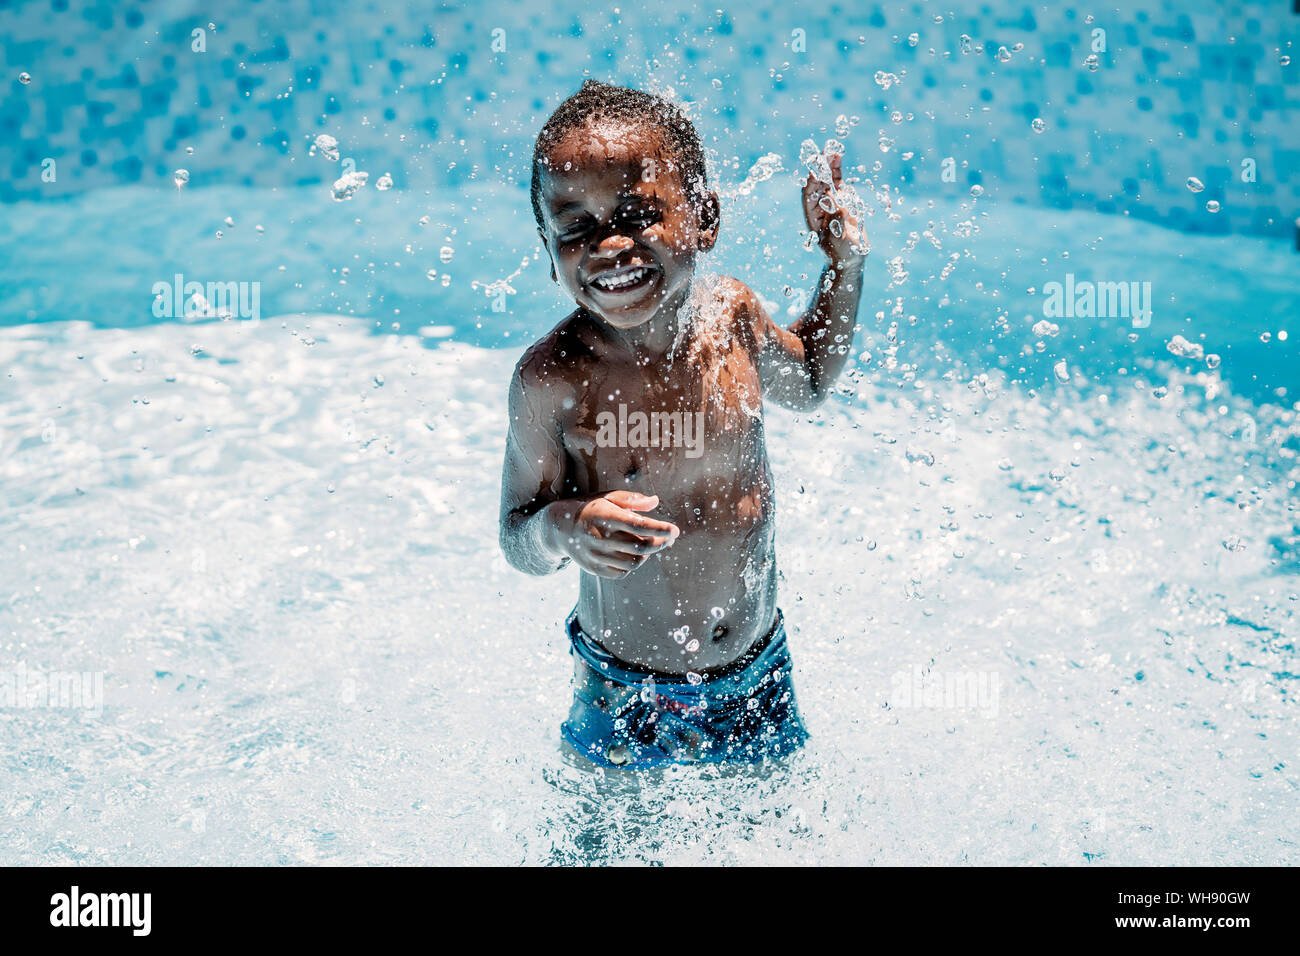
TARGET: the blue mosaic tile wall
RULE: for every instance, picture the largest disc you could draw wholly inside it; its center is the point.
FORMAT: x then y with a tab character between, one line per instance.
437	94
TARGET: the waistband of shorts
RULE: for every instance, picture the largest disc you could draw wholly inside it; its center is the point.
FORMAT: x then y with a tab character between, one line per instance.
771	644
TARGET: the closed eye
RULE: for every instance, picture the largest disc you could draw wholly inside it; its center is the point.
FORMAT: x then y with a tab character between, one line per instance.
635	216
576	230
639	215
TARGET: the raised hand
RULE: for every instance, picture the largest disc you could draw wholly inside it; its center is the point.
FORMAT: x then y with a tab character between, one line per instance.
838	231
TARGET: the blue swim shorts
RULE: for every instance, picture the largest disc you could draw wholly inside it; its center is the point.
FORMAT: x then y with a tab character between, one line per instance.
631	718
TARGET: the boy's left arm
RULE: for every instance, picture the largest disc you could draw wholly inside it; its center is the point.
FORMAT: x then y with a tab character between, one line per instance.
798	365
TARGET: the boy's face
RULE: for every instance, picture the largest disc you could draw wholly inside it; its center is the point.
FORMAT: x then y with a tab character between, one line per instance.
618	223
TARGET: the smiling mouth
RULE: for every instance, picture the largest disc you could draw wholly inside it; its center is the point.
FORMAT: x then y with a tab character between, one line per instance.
624	279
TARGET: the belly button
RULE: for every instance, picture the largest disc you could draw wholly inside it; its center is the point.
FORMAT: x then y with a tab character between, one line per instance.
720	632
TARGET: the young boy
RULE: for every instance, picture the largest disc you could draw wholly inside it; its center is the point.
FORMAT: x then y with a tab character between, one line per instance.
636	446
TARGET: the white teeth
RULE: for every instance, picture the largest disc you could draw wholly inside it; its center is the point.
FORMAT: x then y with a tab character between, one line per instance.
620	280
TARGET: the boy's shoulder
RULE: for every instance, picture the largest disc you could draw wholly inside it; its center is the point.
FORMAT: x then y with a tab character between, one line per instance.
734	293
742	306
544	363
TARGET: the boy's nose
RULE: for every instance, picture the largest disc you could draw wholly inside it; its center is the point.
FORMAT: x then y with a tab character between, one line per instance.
612	246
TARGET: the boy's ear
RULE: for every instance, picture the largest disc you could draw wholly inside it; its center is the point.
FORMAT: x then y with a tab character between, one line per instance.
710	221
542	235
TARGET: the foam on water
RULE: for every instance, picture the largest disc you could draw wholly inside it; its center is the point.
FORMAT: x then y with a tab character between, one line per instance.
280	550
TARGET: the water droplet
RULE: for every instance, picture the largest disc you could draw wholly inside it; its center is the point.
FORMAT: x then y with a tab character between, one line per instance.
718	613
717	84
327	146
346	186
918	455
1062	371
1091	62
379	380
1004	55
181	177
445	253
1194	184
432	274
977	190
1212	206
24	78
694	678
1184	349
384	183
1038	125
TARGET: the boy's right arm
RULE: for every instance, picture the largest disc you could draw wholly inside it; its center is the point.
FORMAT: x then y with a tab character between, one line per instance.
541	531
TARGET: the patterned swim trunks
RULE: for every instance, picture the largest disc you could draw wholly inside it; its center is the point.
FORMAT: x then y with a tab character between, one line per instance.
631	718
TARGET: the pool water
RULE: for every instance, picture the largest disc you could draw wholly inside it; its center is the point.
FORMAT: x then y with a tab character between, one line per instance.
277	542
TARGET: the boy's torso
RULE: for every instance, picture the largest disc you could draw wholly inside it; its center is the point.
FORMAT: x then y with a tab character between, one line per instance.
690	432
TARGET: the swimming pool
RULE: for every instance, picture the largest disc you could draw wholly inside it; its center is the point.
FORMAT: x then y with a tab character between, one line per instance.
1041	587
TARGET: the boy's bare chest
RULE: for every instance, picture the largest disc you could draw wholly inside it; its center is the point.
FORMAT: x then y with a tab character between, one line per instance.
674	428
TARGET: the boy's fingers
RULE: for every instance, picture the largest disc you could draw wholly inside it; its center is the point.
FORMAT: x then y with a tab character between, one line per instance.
608	566
632	544
837	161
812	214
634	500
640	526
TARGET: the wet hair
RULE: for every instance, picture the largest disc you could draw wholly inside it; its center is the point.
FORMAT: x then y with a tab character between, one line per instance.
596	101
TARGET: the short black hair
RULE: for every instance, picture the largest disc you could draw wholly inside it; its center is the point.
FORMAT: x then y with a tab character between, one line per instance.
596	100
